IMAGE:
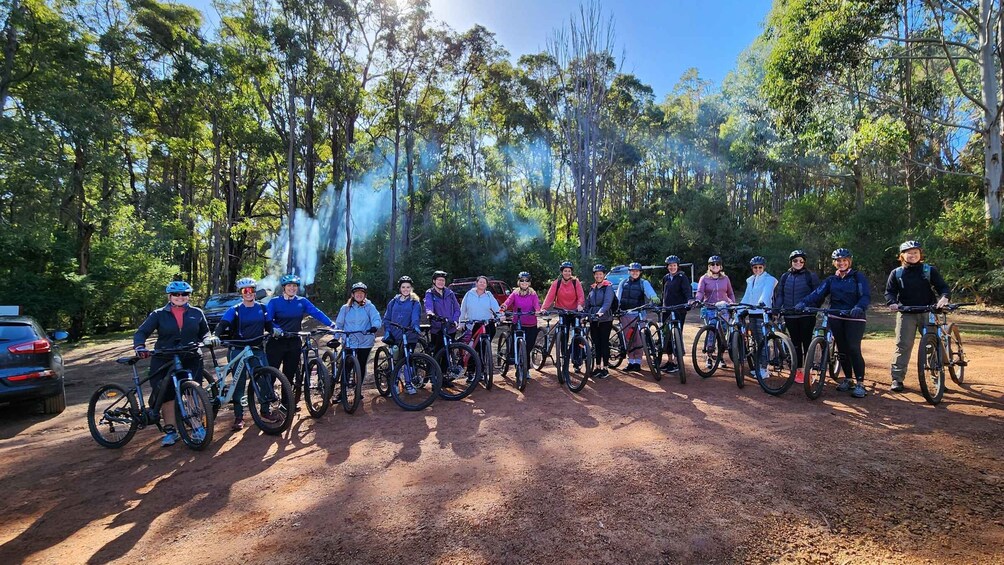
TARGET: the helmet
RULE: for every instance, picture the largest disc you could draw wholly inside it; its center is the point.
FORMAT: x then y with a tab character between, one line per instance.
714	259
523	275
178	286
437	274
672	259
566	265
290	279
405	279
758	260
599	268
359	286
796	253
636	266
246	282
908	245
841	253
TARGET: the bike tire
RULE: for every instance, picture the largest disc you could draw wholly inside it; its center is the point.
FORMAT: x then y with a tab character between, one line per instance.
817	363
328	358
956	355
617	347
577	381
779	374
701	353
931	368
112	416
424	374
738	351
456	386
522	364
423	346
352	385
194	414
316	388
275	390
539	353
382	367
680	353
652	355
656	333
487	363
501	351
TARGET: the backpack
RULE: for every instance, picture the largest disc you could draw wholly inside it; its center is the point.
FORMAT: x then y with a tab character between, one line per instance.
615	304
898	273
557	281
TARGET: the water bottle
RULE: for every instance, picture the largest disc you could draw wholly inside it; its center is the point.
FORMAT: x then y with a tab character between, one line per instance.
244	401
393	351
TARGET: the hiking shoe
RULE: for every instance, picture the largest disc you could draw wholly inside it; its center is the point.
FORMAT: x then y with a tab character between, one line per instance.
198	434
471	377
859	391
601	373
171	436
409	388
271	418
671	367
897	386
845	385
710	363
577	369
238	425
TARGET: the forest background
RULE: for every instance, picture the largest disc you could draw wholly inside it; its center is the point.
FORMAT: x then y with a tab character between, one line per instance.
362	139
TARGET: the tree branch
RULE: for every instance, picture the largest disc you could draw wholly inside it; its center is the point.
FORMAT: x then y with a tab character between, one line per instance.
951	62
929	41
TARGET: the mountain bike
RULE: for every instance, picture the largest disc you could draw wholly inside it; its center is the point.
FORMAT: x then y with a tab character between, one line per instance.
577	350
481	341
114	413
651	342
940	347
544	346
414	380
313	379
766	352
710	345
822	356
460	364
263	389
345	370
672	338
520	357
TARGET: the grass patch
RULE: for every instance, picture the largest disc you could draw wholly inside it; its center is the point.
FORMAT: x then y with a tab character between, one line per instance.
98	340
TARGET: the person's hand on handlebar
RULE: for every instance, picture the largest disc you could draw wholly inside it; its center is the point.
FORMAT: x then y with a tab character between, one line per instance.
942	302
142	352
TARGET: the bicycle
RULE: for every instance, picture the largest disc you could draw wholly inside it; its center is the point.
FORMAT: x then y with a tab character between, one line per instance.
346	375
940	345
709	348
521	357
114	413
651	342
260	380
822	355
417	370
673	338
544	345
577	348
456	359
482	344
312	378
769	356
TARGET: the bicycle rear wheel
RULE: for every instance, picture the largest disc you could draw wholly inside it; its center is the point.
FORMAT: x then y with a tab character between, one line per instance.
956	355
194	415
652	354
578	348
817	363
381	371
316	388
112	416
679	352
270	399
351	379
461	373
707	351
422	373
931	368
779	354
617	348
738	351
501	353
522	364
487	362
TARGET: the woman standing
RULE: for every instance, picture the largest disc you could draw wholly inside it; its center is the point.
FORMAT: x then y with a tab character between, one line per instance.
359	315
599	303
525	300
714	290
676	290
405	310
287	312
246	321
795	284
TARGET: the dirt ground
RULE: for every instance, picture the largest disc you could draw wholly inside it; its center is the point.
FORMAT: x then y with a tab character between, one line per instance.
630	471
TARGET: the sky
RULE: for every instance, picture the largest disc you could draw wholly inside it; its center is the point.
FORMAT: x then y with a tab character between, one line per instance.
659	39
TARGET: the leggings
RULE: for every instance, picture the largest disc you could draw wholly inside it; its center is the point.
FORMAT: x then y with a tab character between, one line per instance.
800	330
599	333
848	334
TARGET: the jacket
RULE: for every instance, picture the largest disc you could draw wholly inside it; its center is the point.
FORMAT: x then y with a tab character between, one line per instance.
915	289
407	313
445	305
632	293
356	318
793	287
194	328
847	292
759	289
676	289
241	322
288	313
527	303
601	299
711	290
565	294
478	308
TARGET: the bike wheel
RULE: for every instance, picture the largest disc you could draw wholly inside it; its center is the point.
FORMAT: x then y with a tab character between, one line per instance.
738	351
194	414
462	372
270	400
501	353
328	358
522	364
579	347
316	388
381	371
487	363
707	351
652	354
956	355
617	347
817	363
656	333
422	373
679	352
931	368
351	384
779	374
112	416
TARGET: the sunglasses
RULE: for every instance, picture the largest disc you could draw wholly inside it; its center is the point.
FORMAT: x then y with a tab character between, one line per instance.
524	280
757	266
714	264
247	291
181	293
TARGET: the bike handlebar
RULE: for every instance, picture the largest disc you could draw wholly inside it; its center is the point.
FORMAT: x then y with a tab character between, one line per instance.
931	308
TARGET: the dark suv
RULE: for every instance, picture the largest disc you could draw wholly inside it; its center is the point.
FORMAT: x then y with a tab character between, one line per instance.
216	305
499	289
31	367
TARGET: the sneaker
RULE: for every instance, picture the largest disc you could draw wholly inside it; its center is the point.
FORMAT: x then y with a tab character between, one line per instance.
601	373
409	388
667	367
672	367
198	435
897	386
471	377
171	436
845	385
799	376
859	391
710	363
238	425
271	418
577	369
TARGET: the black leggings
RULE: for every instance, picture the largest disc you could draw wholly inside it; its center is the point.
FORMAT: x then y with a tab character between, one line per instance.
800	331
285	351
599	333
362	354
848	334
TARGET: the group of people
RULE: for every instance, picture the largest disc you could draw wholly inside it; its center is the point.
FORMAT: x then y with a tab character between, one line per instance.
913	283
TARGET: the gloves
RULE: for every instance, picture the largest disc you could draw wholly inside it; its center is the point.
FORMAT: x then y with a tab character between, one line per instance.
372	330
277	331
211	340
721	304
893	307
857	312
657	301
942	302
143	353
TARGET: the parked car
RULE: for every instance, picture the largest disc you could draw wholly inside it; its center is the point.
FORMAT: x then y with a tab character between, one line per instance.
217	304
31	366
498	288
620	272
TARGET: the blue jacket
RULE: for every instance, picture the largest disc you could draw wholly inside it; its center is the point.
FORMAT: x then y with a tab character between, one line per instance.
288	313
793	287
356	318
759	290
242	322
475	308
445	306
194	328
676	289
407	313
845	293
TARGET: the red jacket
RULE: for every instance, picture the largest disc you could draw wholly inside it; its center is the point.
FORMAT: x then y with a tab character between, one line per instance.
567	295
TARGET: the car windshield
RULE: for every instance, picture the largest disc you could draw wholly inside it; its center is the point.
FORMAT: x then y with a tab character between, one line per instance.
222	301
16	332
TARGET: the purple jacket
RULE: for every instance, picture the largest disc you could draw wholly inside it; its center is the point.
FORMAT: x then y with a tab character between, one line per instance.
445	306
529	303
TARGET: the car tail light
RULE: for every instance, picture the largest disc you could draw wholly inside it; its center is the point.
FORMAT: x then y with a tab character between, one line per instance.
37	346
35	375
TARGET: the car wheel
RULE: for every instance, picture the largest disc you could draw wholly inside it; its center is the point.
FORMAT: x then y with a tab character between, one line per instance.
56	403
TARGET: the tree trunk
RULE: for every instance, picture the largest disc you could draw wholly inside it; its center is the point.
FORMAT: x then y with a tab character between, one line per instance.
392	241
409	165
993	167
291	170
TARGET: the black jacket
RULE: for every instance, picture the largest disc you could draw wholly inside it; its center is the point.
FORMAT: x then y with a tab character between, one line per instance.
676	290
915	291
194	328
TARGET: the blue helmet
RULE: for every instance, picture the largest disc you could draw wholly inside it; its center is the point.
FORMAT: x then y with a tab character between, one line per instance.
290	279
672	259
841	253
178	286
523	275
758	260
599	268
715	259
566	265
910	244
636	266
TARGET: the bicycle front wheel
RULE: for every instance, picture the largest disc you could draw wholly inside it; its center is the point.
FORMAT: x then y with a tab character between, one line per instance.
617	347
522	364
652	354
738	351
502	353
194	414
351	379
112	416
931	368
817	363
487	363
316	388
461	371
416	383
778	353
381	371
270	400
679	352
956	355
580	350
707	351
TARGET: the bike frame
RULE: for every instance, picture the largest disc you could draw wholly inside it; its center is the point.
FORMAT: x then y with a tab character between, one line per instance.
175	369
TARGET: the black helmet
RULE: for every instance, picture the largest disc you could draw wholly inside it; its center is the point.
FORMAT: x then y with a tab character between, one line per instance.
566	265
437	274
758	260
405	279
910	244
672	259
715	259
599	268
523	275
841	253
359	286
796	253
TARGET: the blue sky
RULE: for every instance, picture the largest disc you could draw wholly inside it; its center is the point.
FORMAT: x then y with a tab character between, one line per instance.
660	38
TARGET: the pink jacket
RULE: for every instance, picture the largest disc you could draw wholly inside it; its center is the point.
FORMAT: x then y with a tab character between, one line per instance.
529	303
